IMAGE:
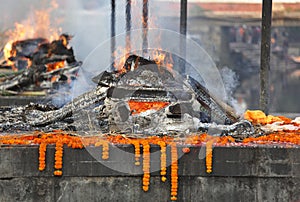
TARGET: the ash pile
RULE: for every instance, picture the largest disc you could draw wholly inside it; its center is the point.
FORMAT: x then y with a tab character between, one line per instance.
143	99
37	65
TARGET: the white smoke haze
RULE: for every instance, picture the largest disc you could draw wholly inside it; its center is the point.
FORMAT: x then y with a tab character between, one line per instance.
231	82
90	24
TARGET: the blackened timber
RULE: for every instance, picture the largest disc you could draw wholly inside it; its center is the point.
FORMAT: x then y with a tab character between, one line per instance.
211	104
25	48
40	118
148	94
265	55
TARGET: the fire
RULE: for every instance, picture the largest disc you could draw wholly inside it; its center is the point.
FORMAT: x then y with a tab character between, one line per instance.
7	51
137	107
121	54
163	59
37	25
54	66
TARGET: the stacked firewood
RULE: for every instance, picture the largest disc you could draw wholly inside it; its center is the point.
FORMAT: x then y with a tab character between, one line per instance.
37	65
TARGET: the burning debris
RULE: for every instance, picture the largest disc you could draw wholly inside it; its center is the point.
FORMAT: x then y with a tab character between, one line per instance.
37	64
143	98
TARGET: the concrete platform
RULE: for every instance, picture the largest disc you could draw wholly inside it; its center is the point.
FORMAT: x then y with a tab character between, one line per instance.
239	174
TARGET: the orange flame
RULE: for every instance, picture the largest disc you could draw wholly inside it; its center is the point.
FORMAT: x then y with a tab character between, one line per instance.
54	66
137	107
37	25
121	54
163	59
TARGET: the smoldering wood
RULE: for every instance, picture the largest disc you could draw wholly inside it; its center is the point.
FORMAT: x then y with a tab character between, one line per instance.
106	109
35	55
25	48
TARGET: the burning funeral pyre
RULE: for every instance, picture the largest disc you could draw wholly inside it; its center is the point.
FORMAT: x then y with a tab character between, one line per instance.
143	105
37	65
143	98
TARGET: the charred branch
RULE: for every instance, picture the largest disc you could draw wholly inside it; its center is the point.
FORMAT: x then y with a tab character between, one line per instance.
39	61
148	99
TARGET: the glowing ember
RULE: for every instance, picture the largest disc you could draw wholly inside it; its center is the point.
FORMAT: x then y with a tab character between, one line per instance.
54	66
137	107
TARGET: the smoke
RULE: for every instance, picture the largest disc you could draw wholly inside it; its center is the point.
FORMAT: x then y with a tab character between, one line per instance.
231	82
90	24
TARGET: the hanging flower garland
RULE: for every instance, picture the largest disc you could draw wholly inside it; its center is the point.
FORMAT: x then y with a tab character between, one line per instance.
42	156
146	165
105	147
58	158
163	160
174	171
137	151
209	154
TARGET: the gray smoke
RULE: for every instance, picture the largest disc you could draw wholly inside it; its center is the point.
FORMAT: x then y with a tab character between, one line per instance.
231	82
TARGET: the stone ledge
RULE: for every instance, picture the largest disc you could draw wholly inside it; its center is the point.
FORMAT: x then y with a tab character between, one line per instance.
239	174
22	161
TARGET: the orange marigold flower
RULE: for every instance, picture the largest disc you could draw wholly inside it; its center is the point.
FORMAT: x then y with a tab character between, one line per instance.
57	172
186	150
209	156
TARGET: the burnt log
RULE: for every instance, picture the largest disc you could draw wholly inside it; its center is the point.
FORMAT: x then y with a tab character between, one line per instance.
25	48
34	56
126	102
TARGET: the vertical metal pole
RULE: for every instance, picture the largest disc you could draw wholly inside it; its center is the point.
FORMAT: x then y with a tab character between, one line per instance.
183	29
183	16
265	55
145	26
128	24
113	33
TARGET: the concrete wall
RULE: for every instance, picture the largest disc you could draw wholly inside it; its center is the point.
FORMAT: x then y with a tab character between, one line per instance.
239	174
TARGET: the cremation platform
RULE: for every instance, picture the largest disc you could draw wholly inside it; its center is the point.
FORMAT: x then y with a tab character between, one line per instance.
262	173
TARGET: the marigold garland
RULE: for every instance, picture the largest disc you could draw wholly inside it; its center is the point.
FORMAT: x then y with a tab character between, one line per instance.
163	160
105	151
105	147
174	171
146	165
280	137
42	156
137	152
208	158
58	173
58	157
